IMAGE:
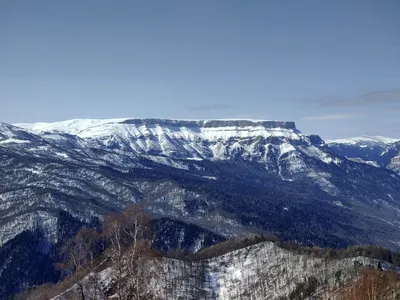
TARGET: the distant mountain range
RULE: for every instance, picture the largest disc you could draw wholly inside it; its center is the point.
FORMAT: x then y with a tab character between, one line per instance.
222	178
377	151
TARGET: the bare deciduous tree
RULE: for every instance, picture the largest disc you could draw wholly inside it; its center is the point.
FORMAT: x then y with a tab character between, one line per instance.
129	250
372	285
78	253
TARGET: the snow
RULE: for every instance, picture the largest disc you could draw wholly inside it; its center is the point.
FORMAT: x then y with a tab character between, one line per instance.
194	158
28	221
364	140
9	134
194	130
322	179
210	177
64	155
262	271
12	140
360	160
7	130
338	203
164	141
168	162
34	171
285	148
74	126
321	155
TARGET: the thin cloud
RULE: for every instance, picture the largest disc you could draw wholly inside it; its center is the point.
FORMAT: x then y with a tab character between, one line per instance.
333	117
211	107
387	97
395	109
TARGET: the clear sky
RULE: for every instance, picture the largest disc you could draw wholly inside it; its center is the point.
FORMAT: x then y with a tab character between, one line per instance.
331	66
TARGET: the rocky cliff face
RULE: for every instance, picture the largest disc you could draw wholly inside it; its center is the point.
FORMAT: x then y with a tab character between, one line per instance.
210	123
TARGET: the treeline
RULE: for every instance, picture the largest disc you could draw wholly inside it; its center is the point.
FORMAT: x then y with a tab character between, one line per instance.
374	252
369	251
218	249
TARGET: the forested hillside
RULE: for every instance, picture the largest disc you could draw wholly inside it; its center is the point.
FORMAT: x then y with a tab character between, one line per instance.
120	262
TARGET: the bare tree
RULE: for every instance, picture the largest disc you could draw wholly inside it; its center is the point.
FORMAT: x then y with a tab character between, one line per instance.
78	260
372	285
129	250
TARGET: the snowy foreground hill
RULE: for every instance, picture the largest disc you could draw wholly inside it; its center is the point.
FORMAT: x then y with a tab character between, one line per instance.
201	181
261	271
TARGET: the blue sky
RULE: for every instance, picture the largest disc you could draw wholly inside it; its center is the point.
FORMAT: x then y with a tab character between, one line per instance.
331	66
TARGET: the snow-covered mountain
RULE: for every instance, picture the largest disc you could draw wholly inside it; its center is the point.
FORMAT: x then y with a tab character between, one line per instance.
169	138
227	177
378	151
162	163
365	141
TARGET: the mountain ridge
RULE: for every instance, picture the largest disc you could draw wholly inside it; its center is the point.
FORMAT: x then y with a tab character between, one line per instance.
379	151
166	121
189	129
228	181
364	139
267	156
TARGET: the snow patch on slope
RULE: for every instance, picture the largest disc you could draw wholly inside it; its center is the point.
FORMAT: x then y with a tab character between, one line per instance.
322	179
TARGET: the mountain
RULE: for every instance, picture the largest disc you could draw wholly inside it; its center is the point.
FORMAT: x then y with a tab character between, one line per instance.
377	151
231	177
264	270
202	180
